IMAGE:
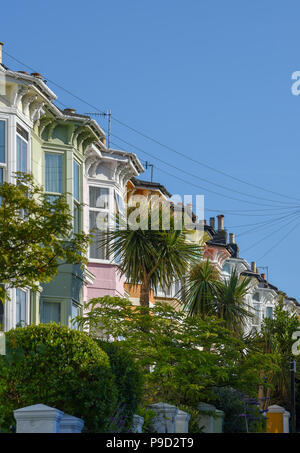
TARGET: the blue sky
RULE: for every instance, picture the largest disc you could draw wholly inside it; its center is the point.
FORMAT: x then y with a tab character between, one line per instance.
211	79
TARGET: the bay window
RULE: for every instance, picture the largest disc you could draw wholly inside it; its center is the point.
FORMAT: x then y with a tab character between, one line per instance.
76	196
75	313
22	149
119	204
53	174
269	312
2	150
2	142
1	316
51	312
256	318
21	303
98	218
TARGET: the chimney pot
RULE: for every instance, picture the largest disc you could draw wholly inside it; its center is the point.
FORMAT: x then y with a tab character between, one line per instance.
37	75
220	222
212	222
253	266
231	238
263	276
69	111
1	45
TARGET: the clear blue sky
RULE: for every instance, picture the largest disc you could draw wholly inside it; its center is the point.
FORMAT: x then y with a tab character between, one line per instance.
211	79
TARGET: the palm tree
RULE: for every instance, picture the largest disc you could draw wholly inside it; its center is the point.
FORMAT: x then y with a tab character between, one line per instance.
150	256
198	294
204	294
230	302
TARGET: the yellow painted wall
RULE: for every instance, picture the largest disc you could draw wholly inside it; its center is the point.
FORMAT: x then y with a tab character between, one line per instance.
274	422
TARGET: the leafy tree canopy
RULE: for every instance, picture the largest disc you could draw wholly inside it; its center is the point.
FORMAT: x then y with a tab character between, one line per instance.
36	235
184	358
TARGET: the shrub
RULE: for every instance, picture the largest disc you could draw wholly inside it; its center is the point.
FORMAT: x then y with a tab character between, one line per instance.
128	379
194	424
148	416
241	411
61	368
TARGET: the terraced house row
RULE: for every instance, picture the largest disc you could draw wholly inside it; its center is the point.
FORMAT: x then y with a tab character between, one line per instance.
66	152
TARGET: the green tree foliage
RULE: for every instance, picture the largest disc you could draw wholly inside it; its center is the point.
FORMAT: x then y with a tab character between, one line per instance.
36	235
61	368
128	378
183	358
276	339
200	290
230	303
204	294
152	255
242	414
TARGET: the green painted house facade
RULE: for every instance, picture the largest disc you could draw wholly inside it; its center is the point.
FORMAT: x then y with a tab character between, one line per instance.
37	137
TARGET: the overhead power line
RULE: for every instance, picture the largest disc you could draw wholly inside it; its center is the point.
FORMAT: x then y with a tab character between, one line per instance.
201	163
268	224
203	179
269	235
280	241
264	221
154	140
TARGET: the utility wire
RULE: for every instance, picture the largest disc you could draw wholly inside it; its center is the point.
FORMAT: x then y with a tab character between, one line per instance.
197	185
153	139
269	224
62	88
263	222
196	176
199	162
269	235
280	241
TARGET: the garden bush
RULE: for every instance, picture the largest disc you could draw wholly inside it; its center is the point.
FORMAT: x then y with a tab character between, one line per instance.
241	411
61	368
128	378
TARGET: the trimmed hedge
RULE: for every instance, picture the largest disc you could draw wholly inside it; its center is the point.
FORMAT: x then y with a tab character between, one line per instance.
61	368
128	378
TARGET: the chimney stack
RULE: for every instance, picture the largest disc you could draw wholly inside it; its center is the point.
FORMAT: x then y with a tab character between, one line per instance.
253	267
231	238
220	222
1	45
37	75
212	222
68	111
263	276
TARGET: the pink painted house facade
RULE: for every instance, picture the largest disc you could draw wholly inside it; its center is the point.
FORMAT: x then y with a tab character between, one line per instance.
107	172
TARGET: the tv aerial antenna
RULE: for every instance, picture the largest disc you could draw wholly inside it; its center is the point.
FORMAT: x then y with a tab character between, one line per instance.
108	116
149	165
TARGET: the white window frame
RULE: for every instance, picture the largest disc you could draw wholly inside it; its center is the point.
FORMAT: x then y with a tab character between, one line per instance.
54	301
27	305
107	211
161	293
78	307
265	314
257	313
76	202
3	165
27	146
57	194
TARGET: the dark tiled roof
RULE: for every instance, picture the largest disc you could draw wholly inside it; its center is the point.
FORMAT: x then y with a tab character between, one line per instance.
210	230
149	184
